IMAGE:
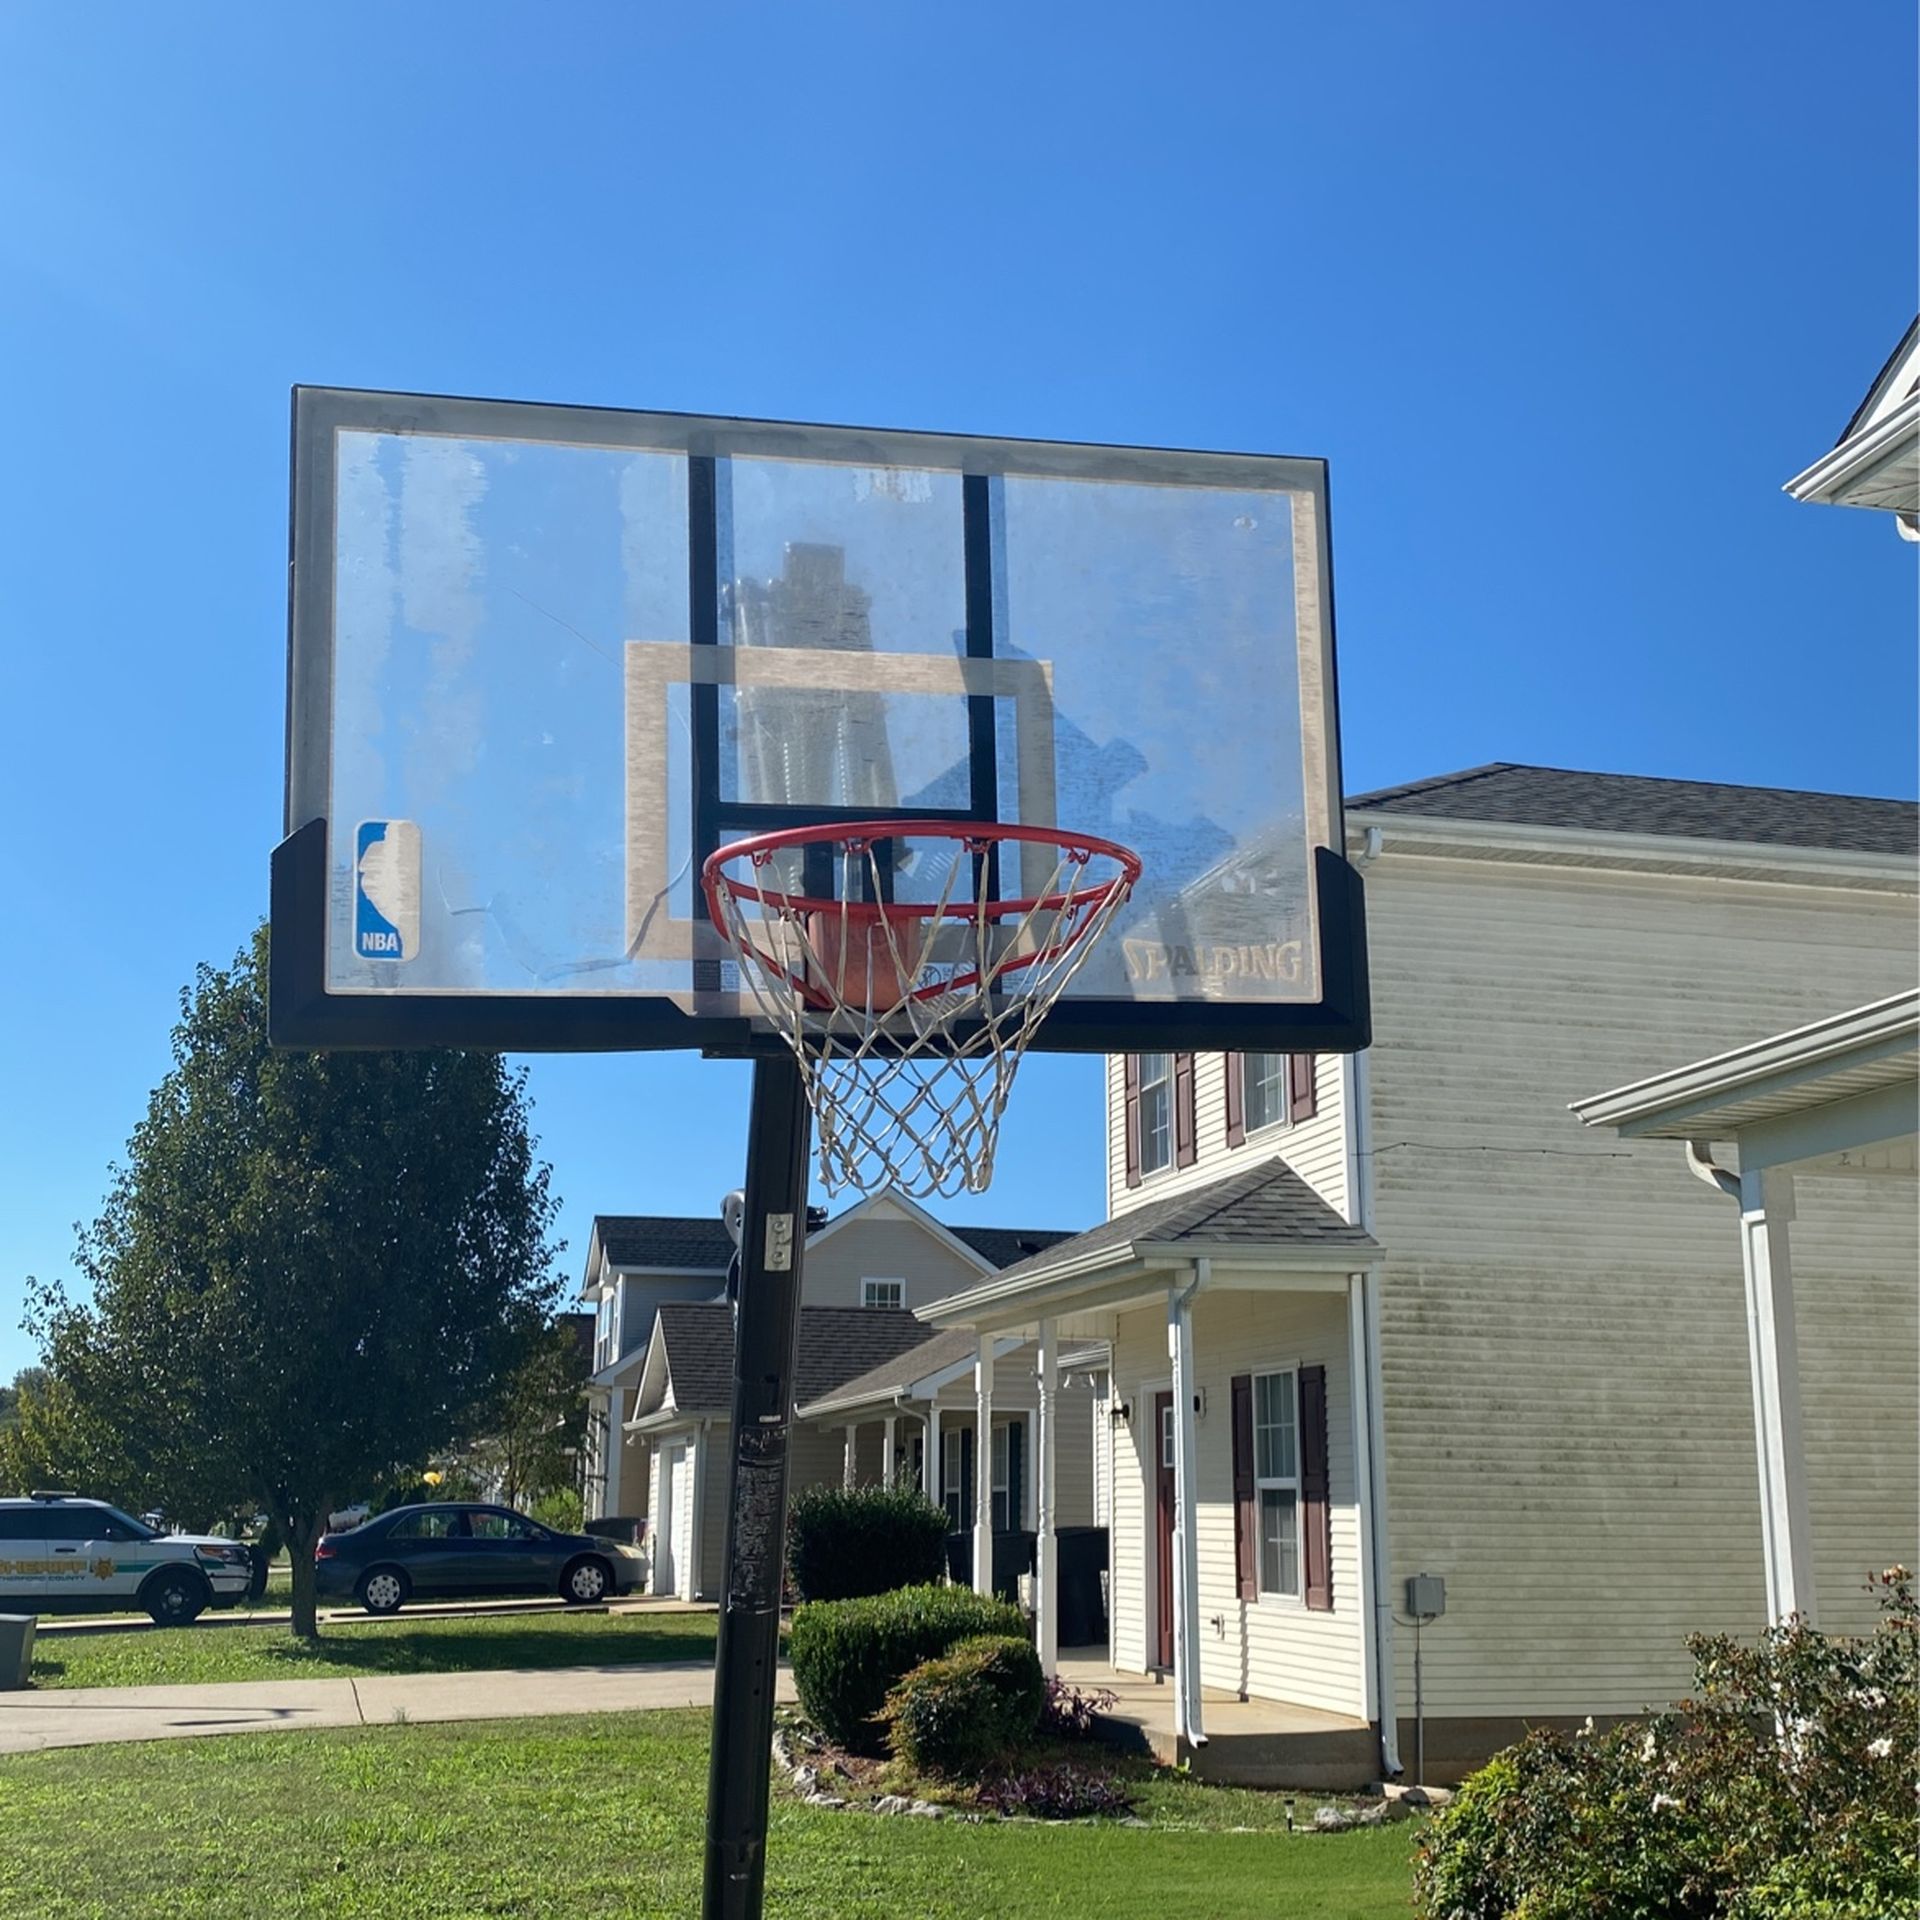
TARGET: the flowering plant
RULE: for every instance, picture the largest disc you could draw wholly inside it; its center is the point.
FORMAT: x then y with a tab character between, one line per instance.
1784	1790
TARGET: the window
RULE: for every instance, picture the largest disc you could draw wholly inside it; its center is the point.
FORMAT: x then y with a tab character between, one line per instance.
1156	1111
501	1526
1266	1085
1009	1475
1276	1471
436	1523
953	1477
883	1293
22	1523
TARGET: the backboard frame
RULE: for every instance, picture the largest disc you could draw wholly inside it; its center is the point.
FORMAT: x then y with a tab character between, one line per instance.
304	1013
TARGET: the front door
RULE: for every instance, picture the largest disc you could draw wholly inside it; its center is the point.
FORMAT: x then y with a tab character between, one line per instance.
1163	1528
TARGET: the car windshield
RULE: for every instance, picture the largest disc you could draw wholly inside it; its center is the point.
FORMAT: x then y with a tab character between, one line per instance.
135	1528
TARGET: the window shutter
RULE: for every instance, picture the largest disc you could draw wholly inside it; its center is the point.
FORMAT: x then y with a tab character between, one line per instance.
1235	1067
1131	1112
1016	1474
1302	1103
1316	1510
1184	1149
1246	1508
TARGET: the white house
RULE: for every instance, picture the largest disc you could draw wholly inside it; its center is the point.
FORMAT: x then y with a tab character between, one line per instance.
663	1373
1402	1313
1876	461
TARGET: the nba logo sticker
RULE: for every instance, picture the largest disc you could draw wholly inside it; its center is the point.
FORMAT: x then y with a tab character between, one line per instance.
386	890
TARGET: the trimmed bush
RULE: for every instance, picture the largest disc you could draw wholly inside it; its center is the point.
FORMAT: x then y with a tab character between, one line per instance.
841	1546
1782	1791
972	1707
848	1655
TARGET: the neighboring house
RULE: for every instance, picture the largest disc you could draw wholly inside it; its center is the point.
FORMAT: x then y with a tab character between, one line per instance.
885	1255
635	1264
1876	462
1401	1313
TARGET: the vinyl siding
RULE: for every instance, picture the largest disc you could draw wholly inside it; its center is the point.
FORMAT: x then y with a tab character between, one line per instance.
883	1246
1569	1421
1270	1649
1316	1149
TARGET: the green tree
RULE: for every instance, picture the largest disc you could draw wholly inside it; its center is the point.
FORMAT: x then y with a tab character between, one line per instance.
539	1420
309	1275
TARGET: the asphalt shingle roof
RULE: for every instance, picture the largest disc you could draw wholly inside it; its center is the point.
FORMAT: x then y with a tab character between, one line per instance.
836	1344
691	1245
942	1350
1264	1206
702	1245
1635	803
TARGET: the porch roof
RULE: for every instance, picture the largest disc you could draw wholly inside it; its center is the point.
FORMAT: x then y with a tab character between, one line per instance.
1830	1088
1265	1216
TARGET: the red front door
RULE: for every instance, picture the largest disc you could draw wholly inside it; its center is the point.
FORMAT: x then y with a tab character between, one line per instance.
1163	1527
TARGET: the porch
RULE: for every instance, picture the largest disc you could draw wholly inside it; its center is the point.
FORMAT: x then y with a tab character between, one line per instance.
1249	1743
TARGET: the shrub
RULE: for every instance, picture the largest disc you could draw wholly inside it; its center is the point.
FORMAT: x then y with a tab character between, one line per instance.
842	1545
1058	1790
848	1655
973	1706
1070	1713
1780	1792
561	1509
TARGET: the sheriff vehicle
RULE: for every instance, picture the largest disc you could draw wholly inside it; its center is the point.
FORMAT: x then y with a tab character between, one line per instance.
67	1555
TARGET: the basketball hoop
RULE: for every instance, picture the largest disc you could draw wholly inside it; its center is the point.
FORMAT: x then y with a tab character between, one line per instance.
909	1015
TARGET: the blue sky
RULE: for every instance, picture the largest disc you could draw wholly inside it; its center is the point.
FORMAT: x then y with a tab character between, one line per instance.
1563	295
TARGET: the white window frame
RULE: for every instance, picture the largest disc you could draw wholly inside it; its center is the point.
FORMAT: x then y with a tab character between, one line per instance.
1280	1083
1264	1483
867	1291
1160	1085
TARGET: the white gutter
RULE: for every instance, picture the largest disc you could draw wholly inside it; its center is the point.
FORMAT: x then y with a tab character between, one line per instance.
1440	835
1858	455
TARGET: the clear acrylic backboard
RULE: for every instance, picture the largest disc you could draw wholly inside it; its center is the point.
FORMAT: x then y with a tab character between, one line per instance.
544	660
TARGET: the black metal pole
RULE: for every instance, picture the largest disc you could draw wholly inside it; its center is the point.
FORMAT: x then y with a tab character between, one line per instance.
766	1335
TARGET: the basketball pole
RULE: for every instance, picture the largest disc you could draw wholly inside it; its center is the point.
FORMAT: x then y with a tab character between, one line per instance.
765	1346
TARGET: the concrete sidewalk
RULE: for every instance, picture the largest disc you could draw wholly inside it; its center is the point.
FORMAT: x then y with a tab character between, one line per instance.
86	1716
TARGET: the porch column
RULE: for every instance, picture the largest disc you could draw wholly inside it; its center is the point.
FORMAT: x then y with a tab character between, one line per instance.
983	1467
1187	1719
1046	1574
1766	1205
848	1461
930	1463
616	1449
886	1454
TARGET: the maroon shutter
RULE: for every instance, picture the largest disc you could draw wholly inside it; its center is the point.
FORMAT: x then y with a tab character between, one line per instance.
1316	1510
1301	1101
1184	1148
1246	1505
1132	1117
1234	1065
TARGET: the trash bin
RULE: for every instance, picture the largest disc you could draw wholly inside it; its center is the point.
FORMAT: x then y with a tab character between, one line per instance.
16	1648
1081	1557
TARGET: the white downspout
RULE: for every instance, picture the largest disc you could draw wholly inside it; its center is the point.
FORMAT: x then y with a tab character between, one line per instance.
1186	1546
1377	1543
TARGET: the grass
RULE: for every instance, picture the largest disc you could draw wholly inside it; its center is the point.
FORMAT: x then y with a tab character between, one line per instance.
605	1815
187	1656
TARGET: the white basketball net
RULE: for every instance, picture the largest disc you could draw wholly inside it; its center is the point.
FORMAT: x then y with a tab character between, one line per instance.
909	1023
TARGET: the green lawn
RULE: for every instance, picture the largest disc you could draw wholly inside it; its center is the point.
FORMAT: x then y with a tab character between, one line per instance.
174	1656
605	1815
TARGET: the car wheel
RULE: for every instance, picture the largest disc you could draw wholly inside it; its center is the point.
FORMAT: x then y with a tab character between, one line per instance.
586	1581
383	1589
175	1597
